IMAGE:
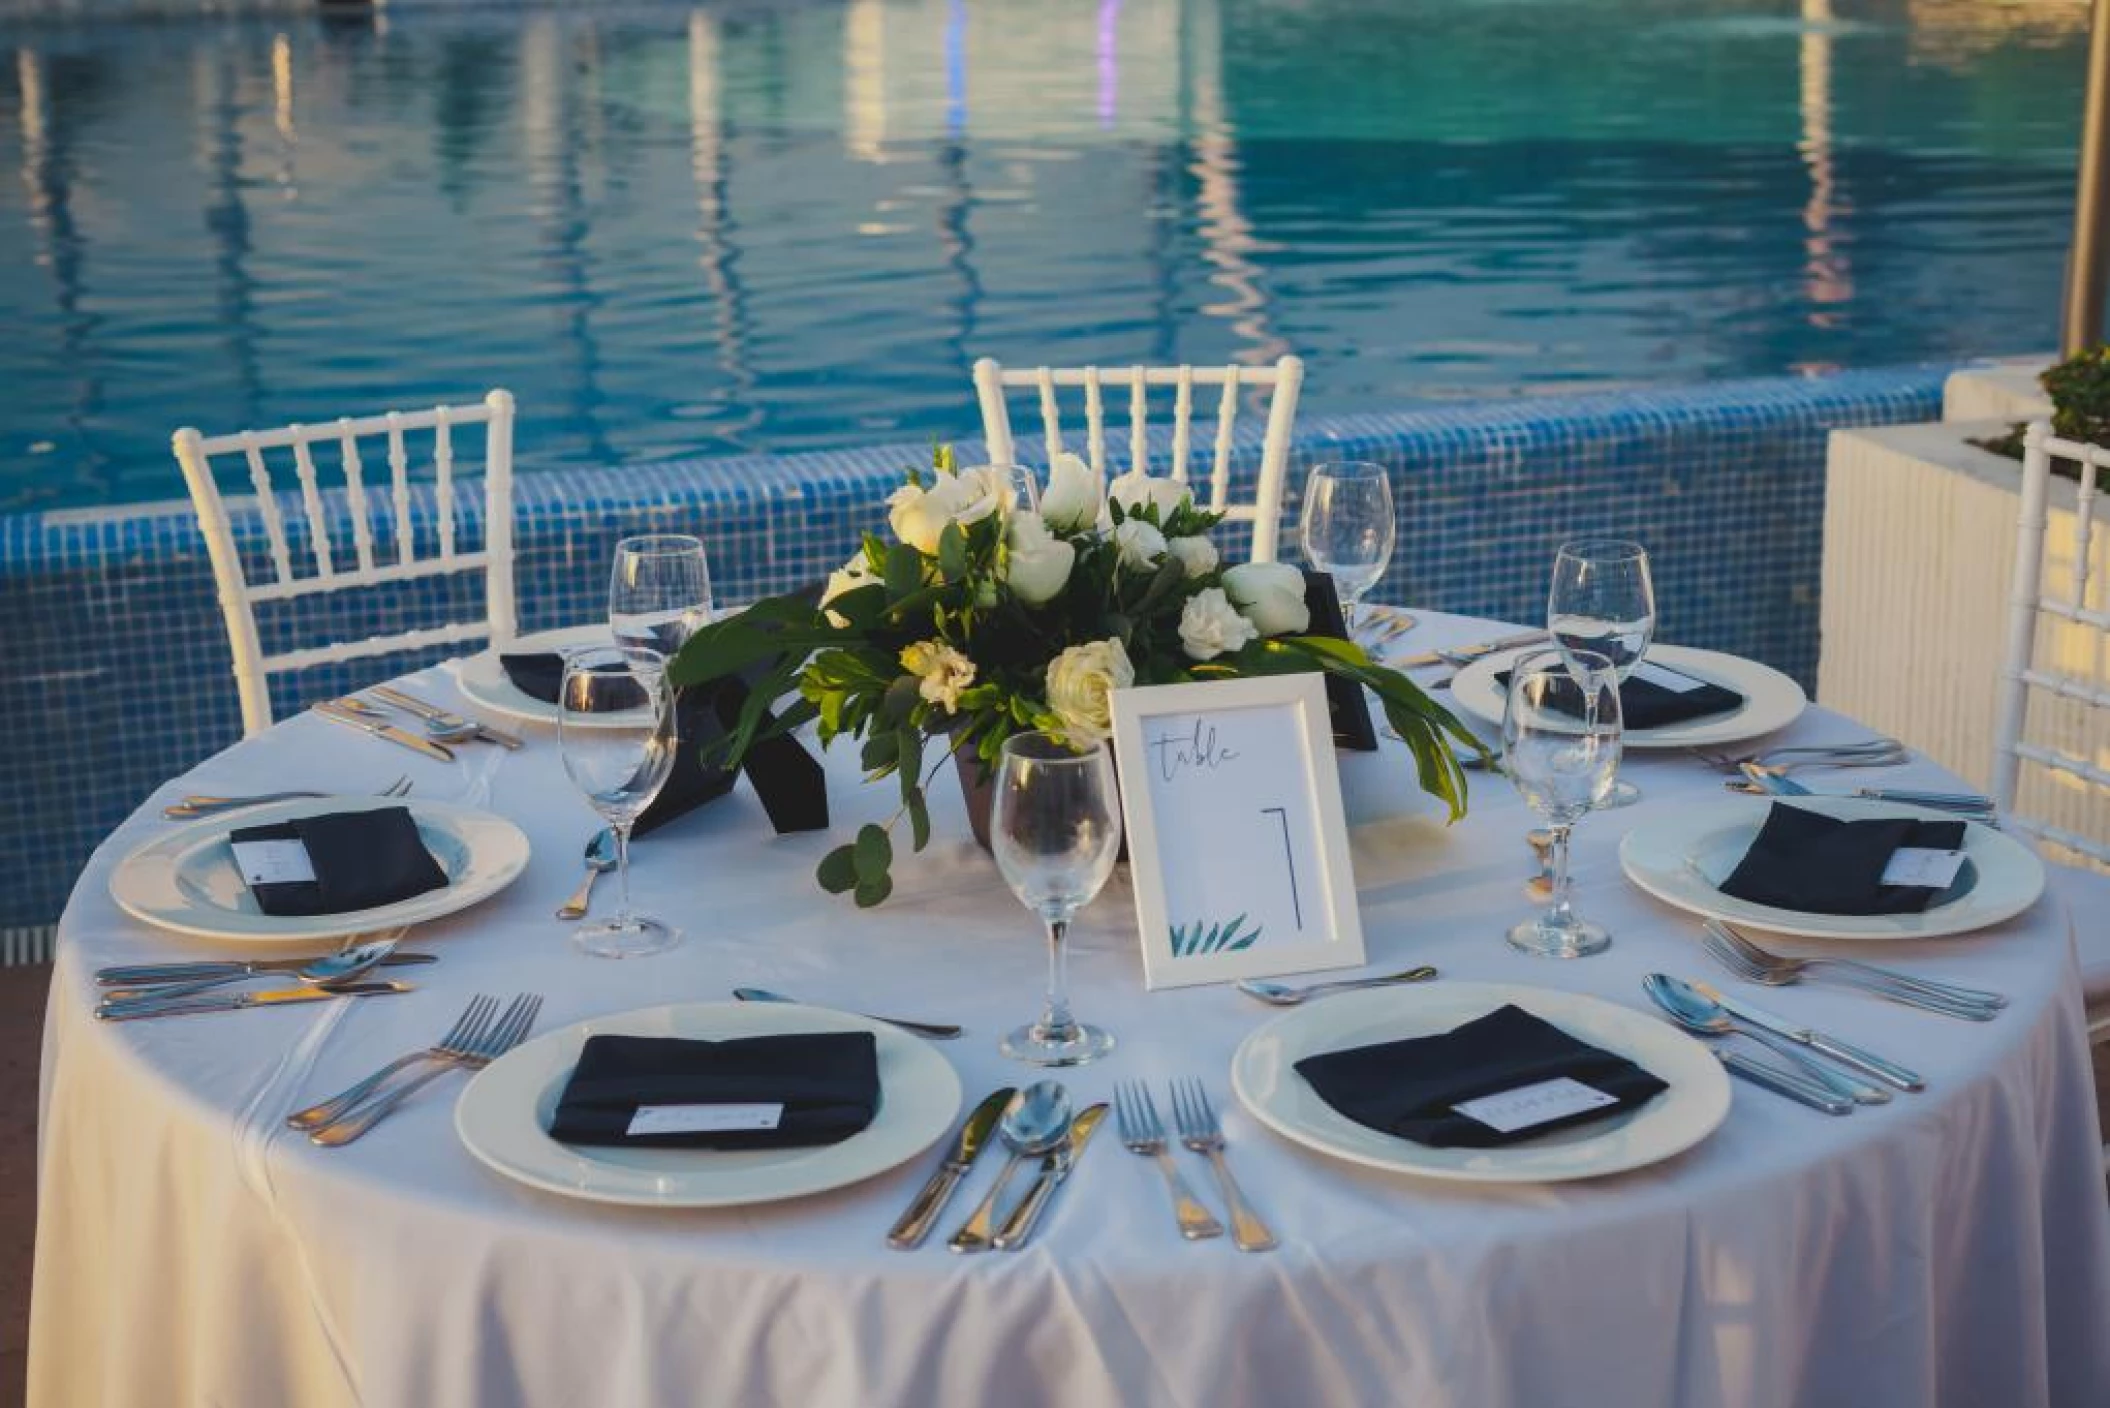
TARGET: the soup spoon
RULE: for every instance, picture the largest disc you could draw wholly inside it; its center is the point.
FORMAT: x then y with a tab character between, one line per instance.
1282	995
1036	1120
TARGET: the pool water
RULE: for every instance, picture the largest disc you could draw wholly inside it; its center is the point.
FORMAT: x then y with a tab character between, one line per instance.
768	226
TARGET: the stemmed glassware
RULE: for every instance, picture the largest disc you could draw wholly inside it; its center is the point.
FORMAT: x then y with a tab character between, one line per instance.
1560	745
1347	529
1055	827
1603	602
615	725
659	591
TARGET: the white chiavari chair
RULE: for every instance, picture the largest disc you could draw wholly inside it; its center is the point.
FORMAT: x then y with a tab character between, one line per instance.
2051	751
993	386
385	543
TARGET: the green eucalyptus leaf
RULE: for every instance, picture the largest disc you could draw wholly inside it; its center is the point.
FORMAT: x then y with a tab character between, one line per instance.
874	892
874	851
918	818
904	572
881	750
838	870
952	552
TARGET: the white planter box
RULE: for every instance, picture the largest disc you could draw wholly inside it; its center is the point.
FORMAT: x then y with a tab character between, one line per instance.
2006	389
1919	553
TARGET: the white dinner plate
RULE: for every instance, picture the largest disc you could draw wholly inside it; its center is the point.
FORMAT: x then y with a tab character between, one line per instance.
1263	1072
504	1114
1771	699
186	879
1680	854
482	679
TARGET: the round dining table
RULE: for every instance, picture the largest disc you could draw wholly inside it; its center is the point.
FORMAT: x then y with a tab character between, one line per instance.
1950	1247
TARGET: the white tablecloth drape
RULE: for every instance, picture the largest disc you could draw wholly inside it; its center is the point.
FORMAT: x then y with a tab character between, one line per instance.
1951	1248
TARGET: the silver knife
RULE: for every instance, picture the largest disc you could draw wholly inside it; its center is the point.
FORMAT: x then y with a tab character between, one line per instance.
1781	1083
443	717
1889	1072
1441	657
1968	803
338	714
231	1002
915	1223
1055	1166
136	974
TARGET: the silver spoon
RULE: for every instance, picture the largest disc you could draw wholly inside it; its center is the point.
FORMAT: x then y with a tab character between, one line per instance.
331	969
1282	995
936	1031
600	857
1694	1010
1036	1120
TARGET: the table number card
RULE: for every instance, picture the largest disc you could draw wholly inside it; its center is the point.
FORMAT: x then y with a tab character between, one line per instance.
1238	844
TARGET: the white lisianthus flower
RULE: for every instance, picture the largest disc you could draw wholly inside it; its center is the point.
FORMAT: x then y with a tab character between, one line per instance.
1039	562
1133	491
918	515
1196	554
1141	547
1070	503
1271	596
1081	683
855	573
1210	626
941	672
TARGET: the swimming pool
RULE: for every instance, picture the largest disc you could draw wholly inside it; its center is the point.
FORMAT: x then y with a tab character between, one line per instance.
749	226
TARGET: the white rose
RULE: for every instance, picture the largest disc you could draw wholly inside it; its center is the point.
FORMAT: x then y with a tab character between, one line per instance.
1081	682
1039	561
1070	503
1141	547
918	515
1196	554
1210	626
855	573
1271	594
1134	491
941	672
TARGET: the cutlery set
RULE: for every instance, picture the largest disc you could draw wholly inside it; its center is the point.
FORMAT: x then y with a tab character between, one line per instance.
136	991
436	728
192	807
478	1037
1143	1133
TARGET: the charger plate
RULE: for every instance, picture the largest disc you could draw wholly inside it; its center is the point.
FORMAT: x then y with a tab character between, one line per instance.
1771	699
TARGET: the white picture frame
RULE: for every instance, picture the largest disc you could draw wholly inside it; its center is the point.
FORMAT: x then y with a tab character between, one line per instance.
1233	802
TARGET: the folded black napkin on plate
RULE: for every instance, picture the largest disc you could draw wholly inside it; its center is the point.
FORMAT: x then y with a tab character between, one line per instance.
362	860
1821	865
1645	704
826	1082
1407	1088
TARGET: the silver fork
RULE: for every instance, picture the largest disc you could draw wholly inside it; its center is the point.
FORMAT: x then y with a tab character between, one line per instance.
1200	1132
1731	762
191	807
1144	1133
1750	972
452	1046
1781	970
501	1038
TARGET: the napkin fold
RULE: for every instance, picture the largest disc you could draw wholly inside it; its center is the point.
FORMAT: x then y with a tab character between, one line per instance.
827	1084
362	860
1645	704
1817	864
1407	1088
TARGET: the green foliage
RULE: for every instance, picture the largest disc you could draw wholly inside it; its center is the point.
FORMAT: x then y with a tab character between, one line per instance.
1201	937
2079	388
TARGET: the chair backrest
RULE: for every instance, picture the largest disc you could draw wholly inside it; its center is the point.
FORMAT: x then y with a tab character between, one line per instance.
2054	704
993	384
370	564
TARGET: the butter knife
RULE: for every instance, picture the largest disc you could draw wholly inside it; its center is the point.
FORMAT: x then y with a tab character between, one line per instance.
1471	652
1054	1168
1889	1072
338	714
231	1002
915	1223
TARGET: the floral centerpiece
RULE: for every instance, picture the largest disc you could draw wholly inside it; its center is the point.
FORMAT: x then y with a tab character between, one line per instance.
981	619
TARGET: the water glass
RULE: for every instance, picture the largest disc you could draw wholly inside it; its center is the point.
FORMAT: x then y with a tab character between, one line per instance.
1055	826
1603	602
615	726
1560	745
1347	529
659	591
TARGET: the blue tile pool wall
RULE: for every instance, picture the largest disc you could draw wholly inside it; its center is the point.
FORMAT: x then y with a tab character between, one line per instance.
119	670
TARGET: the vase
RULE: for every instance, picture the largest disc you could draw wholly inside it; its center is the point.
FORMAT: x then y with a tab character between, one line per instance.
979	792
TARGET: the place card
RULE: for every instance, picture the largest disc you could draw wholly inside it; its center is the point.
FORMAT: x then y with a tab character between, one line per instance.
1663	677
1236	837
1541	1102
1920	866
282	862
702	1119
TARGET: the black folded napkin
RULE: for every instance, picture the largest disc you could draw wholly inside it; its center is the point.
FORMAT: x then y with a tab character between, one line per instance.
1407	1088
1346	703
1820	865
826	1082
538	675
1645	704
362	860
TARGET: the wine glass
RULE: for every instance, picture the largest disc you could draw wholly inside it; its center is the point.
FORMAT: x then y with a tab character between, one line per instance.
1560	746
659	591
615	724
1347	529
1055	828
1603	602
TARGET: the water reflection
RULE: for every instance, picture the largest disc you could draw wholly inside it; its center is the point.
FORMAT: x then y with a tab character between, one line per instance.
714	227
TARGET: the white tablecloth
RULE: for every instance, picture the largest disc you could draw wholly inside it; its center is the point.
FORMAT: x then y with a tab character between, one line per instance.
1949	1248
